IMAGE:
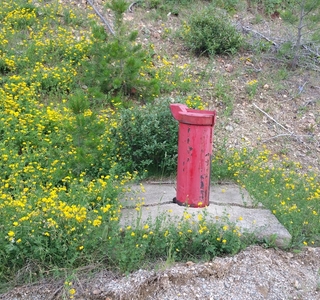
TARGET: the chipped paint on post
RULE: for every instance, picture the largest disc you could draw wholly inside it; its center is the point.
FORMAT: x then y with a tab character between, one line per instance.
194	155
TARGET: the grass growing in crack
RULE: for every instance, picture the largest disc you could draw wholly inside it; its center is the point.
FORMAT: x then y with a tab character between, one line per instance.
193	236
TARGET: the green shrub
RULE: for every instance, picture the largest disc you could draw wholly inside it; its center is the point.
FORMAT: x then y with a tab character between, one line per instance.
146	138
210	32
114	68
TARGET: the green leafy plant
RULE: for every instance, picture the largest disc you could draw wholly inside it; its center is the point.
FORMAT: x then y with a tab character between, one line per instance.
22	17
86	131
66	160
146	138
175	239
210	32
165	6
268	7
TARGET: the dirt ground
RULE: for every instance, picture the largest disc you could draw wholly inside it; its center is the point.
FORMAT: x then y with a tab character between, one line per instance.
284	115
253	274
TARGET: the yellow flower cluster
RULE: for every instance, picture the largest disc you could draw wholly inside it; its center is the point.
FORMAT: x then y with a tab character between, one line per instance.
253	82
45	192
195	102
171	75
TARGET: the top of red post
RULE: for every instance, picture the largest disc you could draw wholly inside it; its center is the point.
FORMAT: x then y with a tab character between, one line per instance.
186	115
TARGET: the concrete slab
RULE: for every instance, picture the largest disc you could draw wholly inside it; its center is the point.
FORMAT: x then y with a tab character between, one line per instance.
226	201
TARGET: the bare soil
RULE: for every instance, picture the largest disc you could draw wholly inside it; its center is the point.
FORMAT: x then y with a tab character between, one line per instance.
284	115
255	273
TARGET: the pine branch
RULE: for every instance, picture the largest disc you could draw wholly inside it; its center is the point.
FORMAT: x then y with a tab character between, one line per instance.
306	13
311	30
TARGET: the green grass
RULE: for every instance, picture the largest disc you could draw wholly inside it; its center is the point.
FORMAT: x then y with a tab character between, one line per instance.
63	136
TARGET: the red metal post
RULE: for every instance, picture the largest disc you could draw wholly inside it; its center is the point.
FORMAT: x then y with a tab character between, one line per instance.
194	154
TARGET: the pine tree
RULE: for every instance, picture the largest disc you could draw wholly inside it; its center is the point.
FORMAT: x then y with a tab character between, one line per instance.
305	16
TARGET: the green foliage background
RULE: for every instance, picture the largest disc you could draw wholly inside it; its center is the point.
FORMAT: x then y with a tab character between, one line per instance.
146	139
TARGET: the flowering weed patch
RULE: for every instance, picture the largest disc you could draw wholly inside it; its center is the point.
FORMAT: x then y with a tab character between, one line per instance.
57	191
292	195
193	235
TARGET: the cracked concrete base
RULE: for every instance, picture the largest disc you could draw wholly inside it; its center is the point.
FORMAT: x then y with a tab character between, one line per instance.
226	201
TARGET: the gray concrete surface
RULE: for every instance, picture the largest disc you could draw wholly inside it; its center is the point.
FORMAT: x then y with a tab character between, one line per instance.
226	201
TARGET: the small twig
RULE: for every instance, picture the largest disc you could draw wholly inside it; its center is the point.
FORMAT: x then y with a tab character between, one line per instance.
310	102
276	136
101	17
285	134
271	118
301	88
255	69
131	5
80	284
246	28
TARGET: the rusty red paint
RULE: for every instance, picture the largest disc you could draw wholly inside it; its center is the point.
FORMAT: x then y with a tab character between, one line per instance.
194	154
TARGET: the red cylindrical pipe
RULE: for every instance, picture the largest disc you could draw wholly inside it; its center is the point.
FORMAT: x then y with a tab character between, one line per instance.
194	155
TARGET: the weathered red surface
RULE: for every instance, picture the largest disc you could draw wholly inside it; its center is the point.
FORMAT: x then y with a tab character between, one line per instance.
194	154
